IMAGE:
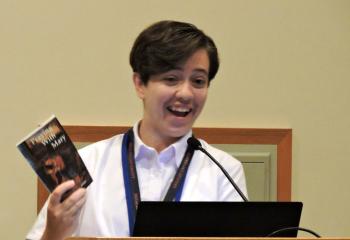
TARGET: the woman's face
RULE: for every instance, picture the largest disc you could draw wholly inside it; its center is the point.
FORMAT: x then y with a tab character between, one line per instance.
173	100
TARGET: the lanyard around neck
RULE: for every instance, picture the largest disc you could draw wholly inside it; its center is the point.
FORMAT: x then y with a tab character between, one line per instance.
131	184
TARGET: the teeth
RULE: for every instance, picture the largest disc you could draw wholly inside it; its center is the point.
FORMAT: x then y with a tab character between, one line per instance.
179	109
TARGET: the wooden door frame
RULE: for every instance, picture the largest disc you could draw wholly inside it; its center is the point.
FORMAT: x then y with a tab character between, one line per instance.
282	138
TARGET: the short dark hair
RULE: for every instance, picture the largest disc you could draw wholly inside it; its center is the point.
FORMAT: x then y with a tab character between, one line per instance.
167	44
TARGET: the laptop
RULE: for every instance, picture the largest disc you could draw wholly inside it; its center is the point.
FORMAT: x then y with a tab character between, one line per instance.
216	219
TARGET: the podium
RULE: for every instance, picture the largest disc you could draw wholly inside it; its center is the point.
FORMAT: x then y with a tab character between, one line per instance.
201	238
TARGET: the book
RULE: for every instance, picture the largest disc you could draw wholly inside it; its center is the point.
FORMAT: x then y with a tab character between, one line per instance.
54	158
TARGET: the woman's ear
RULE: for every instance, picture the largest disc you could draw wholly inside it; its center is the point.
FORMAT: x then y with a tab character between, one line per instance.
139	85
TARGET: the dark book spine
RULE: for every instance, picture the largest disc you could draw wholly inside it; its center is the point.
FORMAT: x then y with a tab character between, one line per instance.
24	149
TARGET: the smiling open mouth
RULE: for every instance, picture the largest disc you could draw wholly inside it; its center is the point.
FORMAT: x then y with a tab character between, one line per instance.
179	112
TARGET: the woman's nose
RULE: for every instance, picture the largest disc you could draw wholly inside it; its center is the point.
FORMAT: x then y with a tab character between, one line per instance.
185	91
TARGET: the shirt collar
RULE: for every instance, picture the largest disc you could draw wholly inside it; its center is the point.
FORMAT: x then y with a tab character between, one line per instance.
179	147
137	140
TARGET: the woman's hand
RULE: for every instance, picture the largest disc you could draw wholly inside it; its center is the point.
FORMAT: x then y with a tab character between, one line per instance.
62	217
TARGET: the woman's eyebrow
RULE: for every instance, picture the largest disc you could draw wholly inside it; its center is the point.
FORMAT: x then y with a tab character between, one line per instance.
201	70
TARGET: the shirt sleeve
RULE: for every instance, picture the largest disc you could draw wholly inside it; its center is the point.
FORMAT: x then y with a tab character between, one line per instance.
38	228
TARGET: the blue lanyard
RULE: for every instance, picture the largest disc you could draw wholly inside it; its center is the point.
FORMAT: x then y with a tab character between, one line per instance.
131	185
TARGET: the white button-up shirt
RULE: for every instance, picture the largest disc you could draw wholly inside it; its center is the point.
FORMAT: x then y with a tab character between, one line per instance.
105	211
155	171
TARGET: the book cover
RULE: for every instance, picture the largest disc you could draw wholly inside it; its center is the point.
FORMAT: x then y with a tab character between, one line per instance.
53	156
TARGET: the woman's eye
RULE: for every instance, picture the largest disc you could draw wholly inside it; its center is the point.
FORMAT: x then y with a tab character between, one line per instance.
200	82
170	80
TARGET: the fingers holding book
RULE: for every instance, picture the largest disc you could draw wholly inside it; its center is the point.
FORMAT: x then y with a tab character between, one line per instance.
62	216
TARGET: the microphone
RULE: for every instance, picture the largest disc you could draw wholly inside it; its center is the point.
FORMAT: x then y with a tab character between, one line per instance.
195	144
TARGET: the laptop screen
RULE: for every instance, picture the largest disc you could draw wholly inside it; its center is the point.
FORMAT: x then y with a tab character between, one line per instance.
216	219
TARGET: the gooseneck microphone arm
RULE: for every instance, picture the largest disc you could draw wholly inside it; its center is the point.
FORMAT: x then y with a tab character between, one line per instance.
196	145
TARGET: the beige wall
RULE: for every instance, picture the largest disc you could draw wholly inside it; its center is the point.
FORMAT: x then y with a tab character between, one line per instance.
284	64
